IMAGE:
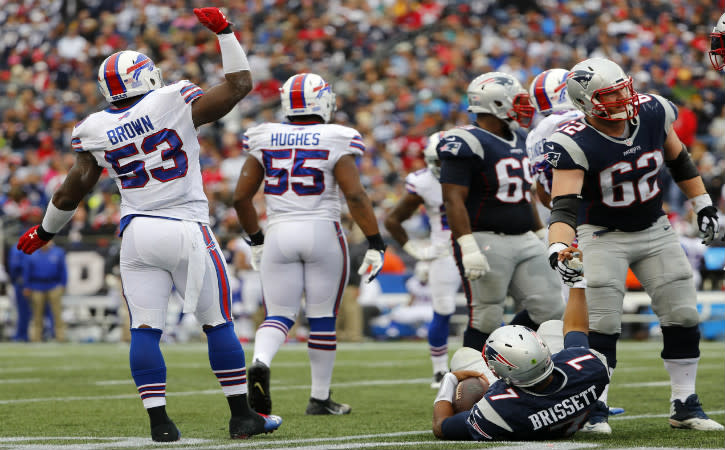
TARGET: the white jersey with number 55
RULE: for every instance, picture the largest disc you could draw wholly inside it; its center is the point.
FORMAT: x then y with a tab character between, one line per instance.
152	152
299	161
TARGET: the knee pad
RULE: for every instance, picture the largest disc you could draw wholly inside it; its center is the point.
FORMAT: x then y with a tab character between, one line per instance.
474	339
606	344
486	318
680	342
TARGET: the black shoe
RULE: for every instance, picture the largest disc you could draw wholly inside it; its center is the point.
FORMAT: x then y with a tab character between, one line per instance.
244	427
165	432
326	407
258	382
690	415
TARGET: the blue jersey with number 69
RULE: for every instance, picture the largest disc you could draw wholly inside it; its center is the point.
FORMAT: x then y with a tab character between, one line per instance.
509	413
497	174
622	175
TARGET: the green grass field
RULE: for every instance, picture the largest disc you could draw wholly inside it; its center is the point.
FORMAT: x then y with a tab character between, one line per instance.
81	396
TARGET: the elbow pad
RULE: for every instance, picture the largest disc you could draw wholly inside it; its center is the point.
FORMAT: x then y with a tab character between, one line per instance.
564	209
682	168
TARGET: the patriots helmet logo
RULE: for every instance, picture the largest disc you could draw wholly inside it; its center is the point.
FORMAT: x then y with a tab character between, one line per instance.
583	77
504	81
490	354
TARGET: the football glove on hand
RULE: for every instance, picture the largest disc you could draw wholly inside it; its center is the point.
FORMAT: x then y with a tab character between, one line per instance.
474	262
373	261
212	18
257	256
570	270
33	239
707	223
425	252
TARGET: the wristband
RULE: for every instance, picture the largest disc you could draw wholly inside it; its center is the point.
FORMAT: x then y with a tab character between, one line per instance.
44	235
257	238
447	389
376	242
55	219
233	57
701	201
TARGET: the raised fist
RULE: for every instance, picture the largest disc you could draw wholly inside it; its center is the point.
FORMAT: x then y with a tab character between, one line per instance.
212	18
32	240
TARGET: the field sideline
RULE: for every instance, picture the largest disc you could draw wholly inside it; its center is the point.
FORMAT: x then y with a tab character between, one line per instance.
81	396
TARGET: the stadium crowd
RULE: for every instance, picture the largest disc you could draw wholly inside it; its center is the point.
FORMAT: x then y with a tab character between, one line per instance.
399	69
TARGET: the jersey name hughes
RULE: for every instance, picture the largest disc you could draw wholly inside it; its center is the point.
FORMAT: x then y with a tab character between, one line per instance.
130	130
564	408
281	139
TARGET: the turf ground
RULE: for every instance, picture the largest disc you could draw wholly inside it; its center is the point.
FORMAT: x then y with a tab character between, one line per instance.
80	396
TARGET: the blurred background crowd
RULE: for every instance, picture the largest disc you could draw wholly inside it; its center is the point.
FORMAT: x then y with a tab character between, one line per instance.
399	68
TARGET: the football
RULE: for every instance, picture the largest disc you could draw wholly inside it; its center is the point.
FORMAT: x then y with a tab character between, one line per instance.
468	393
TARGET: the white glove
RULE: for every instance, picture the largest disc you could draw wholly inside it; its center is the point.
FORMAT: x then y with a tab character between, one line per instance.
474	262
707	219
425	252
373	261
257	256
570	270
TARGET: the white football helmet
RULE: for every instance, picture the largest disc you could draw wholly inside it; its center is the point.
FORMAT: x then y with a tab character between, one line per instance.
717	44
502	95
518	356
593	77
548	92
127	74
307	94
431	155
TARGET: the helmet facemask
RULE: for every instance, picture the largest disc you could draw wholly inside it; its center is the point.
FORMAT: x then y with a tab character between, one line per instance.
717	50
630	103
522	111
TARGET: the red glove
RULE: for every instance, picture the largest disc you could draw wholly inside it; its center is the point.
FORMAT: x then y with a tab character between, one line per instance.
30	241
212	18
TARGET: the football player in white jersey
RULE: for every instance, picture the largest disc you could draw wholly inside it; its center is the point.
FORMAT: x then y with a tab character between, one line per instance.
548	95
147	141
305	164
424	189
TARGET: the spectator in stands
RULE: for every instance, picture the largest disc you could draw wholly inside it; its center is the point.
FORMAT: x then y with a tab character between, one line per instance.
45	276
15	273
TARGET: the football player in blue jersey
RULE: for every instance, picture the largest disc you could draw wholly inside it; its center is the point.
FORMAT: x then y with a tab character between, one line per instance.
606	191
486	185
538	395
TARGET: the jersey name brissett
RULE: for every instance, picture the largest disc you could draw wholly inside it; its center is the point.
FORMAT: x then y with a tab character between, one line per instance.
621	183
152	152
299	163
510	413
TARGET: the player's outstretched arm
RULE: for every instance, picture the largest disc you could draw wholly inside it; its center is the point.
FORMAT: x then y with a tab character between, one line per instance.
220	99
361	210
80	180
249	180
576	316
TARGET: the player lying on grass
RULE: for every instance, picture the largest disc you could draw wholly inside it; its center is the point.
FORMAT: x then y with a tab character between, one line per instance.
538	395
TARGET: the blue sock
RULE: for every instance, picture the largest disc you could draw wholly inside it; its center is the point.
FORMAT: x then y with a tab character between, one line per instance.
226	357
147	366
438	330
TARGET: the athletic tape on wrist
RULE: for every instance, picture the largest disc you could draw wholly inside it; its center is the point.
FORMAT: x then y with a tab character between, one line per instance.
233	57
55	219
701	201
447	389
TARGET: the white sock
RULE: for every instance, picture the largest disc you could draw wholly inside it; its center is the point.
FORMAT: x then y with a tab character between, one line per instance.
321	364
440	363
267	342
682	377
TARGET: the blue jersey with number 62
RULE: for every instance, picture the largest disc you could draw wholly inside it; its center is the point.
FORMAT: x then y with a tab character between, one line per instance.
622	188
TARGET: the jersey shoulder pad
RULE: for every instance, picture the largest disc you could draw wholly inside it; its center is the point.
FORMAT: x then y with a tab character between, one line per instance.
659	105
356	144
459	143
564	152
84	136
415	182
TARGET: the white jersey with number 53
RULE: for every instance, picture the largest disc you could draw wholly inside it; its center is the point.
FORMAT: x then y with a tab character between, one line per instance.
152	152
298	162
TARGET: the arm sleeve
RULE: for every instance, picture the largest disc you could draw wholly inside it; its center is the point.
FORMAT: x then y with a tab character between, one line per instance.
576	339
455	428
456	171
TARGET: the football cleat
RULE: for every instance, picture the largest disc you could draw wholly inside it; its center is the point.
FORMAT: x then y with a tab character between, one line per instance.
437	378
165	432
598	420
258	381
326	407
691	416
243	427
